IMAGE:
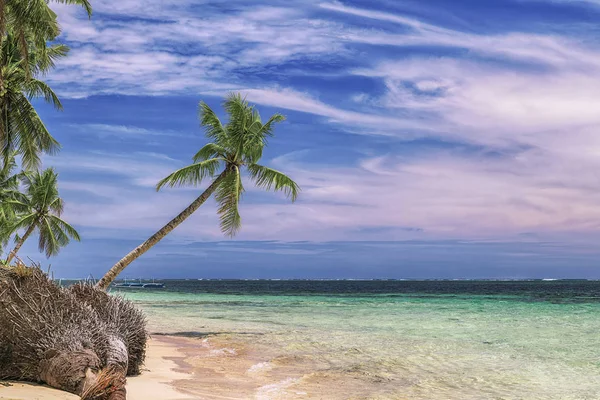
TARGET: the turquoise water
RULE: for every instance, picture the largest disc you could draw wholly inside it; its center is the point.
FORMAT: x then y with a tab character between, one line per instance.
533	340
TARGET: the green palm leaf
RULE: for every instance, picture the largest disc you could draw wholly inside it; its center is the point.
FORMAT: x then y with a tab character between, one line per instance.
211	123
228	196
270	179
40	208
192	174
210	150
35	88
84	3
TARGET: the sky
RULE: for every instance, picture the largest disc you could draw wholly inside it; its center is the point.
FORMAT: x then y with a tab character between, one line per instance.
431	139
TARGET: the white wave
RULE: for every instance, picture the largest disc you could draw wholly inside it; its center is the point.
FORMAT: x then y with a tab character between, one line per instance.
222	352
260	367
274	390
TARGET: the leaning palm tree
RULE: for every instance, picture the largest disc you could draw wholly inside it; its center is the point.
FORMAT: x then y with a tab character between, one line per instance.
236	146
40	209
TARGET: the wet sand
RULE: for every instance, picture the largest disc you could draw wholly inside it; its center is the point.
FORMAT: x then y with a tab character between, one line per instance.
233	367
218	367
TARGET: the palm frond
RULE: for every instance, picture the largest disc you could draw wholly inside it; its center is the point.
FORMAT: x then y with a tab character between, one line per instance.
23	222
26	133
36	88
228	196
240	118
56	206
44	59
20	204
192	174
256	139
84	3
210	150
270	179
65	227
211	123
50	238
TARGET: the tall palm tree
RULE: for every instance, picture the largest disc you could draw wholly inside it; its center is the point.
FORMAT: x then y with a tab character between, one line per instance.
26	27
236	146
9	190
21	128
33	22
40	209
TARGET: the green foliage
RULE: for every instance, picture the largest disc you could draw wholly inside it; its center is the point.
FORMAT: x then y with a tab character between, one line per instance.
40	209
21	128
235	146
9	191
28	29
28	51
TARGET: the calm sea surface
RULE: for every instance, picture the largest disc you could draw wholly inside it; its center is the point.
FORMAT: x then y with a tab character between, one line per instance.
400	339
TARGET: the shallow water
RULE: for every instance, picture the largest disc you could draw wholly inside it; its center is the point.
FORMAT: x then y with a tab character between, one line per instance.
393	340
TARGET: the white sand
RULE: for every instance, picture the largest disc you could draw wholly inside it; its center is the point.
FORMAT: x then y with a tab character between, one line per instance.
153	384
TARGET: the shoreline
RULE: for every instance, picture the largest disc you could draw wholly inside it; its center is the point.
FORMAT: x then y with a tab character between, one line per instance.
163	367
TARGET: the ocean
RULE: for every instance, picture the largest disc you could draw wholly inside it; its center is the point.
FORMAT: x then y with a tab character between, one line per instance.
386	339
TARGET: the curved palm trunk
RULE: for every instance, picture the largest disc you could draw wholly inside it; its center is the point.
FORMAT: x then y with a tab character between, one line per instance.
112	274
18	246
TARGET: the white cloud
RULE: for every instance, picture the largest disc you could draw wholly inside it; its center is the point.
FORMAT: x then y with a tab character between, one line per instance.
529	100
143	169
182	52
548	49
123	130
440	195
186	52
298	101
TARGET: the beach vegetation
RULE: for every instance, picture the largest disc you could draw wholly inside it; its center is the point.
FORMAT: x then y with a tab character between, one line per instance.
39	209
28	51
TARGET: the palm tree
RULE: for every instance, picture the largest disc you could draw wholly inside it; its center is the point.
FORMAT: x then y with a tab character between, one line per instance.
26	27
9	190
40	209
32	22
237	145
21	128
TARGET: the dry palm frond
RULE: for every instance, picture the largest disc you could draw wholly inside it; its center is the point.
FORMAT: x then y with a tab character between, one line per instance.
71	338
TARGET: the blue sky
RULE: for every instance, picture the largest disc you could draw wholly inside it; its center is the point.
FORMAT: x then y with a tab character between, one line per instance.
431	138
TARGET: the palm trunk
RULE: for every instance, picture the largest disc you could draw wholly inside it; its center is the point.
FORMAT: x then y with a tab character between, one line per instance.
18	246
112	274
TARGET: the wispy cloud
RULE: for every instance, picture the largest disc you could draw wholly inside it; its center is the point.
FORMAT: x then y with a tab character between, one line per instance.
123	130
525	102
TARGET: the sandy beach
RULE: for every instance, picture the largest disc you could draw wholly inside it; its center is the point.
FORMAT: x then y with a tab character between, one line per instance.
179	367
365	346
155	383
214	367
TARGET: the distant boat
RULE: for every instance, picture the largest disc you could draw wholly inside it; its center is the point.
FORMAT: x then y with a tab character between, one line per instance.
154	285
140	285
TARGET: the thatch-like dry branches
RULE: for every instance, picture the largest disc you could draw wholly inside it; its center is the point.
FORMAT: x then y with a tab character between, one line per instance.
78	339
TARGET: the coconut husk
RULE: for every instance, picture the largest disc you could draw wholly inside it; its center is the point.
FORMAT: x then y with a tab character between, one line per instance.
120	316
78	339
